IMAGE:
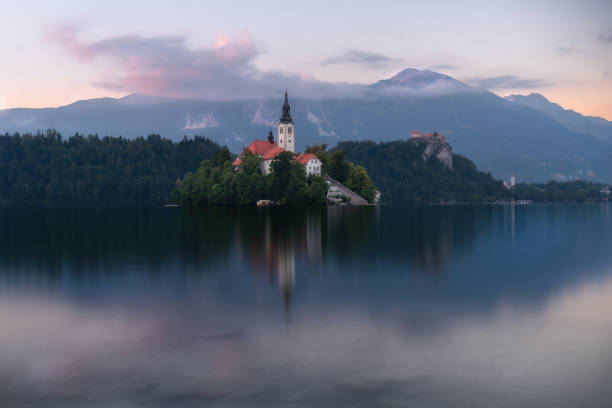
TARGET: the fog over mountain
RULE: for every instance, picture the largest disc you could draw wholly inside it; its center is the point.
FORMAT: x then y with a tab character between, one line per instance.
503	136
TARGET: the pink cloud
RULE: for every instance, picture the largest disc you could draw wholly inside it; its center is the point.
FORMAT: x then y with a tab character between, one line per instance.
65	35
166	66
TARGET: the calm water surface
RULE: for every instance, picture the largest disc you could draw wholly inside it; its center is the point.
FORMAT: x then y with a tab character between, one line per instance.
425	306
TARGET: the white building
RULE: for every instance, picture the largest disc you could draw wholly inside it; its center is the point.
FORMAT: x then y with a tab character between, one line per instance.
311	162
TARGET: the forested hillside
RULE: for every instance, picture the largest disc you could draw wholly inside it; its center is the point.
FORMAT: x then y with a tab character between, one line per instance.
47	169
402	174
399	171
51	170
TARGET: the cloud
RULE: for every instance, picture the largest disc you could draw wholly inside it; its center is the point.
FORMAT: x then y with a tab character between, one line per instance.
167	66
509	82
352	56
444	67
563	50
606	37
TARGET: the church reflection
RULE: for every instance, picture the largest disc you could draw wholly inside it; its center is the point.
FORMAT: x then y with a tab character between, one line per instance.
283	244
284	238
299	251
286	270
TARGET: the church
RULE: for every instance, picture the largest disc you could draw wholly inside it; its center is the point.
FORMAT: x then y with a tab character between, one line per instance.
269	149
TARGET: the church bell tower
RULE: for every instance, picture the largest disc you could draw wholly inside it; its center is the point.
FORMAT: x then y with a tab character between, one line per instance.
286	130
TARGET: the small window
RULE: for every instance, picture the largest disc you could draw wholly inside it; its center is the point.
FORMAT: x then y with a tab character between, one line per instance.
280	130
289	129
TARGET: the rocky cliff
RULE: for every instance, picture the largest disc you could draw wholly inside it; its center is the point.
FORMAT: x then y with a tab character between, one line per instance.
437	147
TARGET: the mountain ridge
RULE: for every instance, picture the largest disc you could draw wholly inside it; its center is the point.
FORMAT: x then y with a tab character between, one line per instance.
596	126
501	136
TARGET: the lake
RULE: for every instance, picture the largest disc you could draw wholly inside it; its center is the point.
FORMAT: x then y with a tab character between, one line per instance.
391	306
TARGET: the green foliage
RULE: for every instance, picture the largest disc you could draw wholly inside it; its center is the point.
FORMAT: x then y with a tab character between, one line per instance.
401	174
217	183
220	156
282	174
339	167
46	169
317	190
360	182
555	191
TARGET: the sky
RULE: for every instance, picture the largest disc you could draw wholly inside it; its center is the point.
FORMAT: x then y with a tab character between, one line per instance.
54	53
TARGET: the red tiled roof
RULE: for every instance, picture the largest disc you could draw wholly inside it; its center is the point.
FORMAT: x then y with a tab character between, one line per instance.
261	147
272	153
305	158
427	135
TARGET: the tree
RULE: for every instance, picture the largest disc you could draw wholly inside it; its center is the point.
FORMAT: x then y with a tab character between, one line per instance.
220	156
360	183
339	167
281	174
317	190
297	189
45	168
250	163
316	149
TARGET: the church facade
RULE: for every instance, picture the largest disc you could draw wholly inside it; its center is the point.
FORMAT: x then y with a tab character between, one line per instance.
285	134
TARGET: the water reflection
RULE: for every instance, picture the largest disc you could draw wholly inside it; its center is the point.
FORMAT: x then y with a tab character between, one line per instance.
84	246
389	306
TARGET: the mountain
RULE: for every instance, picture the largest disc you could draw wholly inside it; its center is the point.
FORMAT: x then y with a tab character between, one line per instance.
414	79
592	125
503	137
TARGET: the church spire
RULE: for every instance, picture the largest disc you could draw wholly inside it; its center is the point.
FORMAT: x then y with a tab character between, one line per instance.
286	118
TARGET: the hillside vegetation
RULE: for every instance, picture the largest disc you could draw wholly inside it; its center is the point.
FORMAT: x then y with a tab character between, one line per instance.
47	169
399	170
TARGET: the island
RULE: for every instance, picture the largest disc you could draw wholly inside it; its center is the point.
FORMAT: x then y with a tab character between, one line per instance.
270	172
